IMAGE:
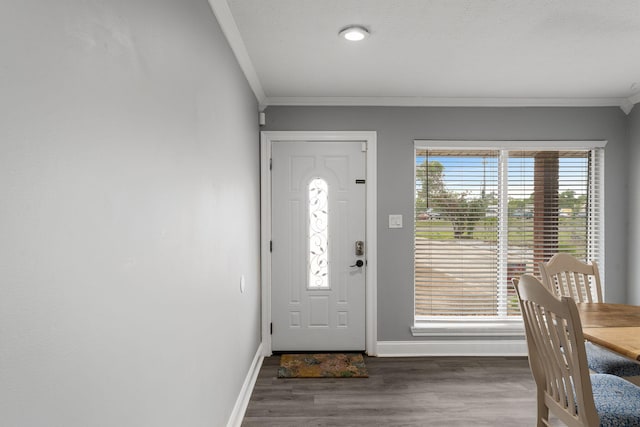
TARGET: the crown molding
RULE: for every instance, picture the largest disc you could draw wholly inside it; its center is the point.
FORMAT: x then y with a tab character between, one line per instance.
633	100
230	29
418	101
626	105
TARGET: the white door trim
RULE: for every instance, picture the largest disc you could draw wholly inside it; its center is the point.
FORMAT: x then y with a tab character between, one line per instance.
370	138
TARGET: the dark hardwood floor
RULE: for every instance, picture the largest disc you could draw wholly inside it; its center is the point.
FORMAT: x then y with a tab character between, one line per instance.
420	391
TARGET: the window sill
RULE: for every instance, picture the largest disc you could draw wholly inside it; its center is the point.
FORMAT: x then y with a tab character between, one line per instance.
468	328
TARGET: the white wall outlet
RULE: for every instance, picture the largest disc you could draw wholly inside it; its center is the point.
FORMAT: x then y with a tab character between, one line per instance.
395	221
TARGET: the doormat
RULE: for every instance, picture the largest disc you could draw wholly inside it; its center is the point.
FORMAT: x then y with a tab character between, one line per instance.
322	365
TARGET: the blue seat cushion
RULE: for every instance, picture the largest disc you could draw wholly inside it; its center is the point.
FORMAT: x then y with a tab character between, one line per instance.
617	401
603	361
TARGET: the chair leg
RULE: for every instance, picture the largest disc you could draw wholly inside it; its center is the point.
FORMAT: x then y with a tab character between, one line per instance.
543	412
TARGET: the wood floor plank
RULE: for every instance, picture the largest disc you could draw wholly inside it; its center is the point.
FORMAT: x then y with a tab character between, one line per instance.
420	391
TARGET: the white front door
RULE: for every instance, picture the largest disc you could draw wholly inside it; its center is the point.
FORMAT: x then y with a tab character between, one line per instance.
318	248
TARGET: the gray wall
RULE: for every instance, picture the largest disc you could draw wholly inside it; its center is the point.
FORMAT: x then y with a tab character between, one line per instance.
398	127
129	180
634	207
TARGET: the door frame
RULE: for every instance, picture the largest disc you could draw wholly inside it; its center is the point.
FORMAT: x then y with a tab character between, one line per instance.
267	138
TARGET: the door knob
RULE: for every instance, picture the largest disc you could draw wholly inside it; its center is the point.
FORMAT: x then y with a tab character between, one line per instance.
359	263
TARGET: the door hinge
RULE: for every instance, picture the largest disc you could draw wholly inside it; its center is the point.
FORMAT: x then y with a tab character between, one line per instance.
364	146
271	328
270	164
270	245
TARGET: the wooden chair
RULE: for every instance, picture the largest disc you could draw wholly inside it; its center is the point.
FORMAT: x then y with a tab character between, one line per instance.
558	362
565	275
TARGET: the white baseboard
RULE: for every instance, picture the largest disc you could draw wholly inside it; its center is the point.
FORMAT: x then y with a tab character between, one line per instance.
516	347
235	420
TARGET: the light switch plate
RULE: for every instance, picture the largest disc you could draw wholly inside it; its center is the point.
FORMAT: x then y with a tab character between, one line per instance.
395	221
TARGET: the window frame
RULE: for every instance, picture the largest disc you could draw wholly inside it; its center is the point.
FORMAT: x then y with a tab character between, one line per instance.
463	326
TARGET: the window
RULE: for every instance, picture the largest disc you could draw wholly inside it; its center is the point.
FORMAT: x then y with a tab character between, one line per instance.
486	212
318	234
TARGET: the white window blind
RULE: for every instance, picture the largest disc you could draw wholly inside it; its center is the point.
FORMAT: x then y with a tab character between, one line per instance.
484	216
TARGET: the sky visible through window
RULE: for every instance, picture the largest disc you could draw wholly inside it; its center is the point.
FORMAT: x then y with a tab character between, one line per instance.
522	168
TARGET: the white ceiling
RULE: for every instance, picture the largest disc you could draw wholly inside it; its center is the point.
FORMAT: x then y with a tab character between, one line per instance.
438	52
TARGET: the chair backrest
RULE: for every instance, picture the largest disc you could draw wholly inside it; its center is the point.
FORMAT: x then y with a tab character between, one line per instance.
566	275
556	354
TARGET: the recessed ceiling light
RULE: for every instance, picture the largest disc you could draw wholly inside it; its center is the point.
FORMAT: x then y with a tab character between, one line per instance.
354	33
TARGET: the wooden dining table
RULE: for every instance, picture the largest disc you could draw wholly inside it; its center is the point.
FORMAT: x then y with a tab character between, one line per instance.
613	326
